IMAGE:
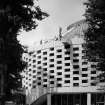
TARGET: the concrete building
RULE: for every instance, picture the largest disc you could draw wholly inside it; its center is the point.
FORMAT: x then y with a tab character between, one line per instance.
59	68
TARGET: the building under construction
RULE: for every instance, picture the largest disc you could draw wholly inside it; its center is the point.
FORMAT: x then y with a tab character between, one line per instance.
59	73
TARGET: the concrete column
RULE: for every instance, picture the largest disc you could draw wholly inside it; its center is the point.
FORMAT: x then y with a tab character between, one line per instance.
88	98
49	99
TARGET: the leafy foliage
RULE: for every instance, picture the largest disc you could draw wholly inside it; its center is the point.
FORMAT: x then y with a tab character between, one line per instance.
14	16
95	35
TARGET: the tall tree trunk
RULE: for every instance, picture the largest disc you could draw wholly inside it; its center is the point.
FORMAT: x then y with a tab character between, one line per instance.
2	83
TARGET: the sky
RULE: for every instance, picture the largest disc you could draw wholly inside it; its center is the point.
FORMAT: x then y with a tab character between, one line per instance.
62	13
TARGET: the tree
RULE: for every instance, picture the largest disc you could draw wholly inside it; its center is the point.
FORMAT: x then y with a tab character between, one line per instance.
95	35
14	16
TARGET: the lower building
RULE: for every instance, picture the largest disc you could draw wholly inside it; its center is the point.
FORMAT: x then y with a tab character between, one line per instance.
71	99
69	96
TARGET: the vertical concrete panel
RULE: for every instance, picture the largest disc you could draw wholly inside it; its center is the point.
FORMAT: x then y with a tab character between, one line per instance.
49	99
88	98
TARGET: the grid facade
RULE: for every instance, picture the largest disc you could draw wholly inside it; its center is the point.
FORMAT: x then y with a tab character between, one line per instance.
60	62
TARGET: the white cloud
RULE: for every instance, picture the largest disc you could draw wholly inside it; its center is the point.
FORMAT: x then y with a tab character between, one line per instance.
62	13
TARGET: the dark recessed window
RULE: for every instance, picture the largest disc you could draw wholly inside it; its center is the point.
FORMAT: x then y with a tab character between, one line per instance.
59	85
51	60
67	52
51	65
59	79
34	86
93	84
59	67
39	51
75	60
34	61
84	57
102	80
84	81
59	56
45	58
45	53
29	59
34	71
83	45
59	50
51	82
34	76
68	69
51	76
44	80
83	51
67	58
67	46
39	83
84	75
29	84
75	78
76	66
39	67
67	76
34	81
59	73
44	64
51	54
39	57
84	69
29	69
26	59
52	48
75	55
84	63
44	69
75	84
75	72
59	62
45	85
51	71
39	78
93	78
67	64
93	66
75	48
29	64
38	72
93	72
39	62
67	81
44	74
34	55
